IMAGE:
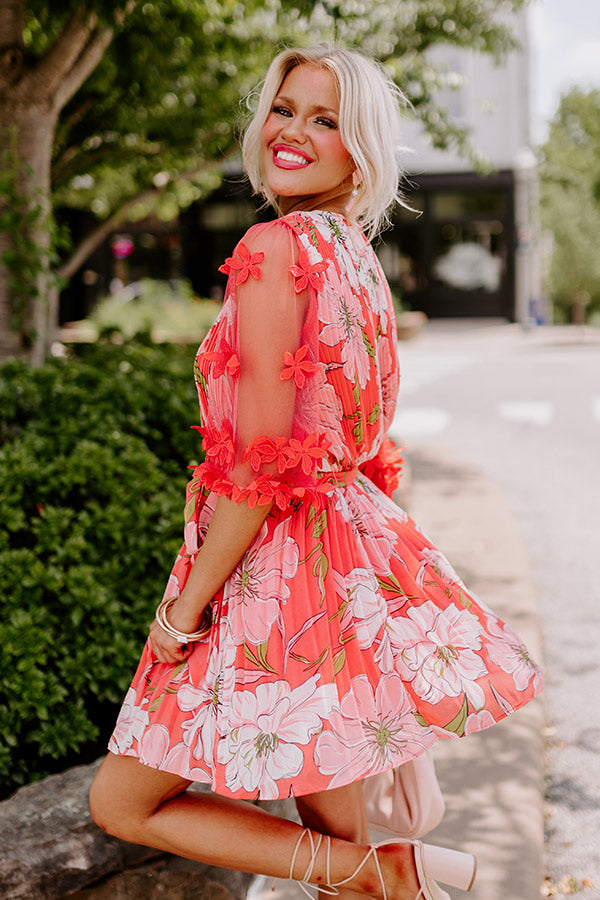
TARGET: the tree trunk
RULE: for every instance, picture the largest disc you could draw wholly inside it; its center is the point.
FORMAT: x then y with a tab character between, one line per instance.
32	94
26	137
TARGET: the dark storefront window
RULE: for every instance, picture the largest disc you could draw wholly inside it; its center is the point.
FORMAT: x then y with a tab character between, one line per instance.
456	258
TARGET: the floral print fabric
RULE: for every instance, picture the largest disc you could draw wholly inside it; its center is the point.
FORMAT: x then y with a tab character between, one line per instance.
343	643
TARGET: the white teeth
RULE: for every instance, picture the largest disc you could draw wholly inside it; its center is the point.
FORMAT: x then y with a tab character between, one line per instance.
290	157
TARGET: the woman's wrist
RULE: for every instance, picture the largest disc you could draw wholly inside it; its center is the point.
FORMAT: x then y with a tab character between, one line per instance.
184	633
187	612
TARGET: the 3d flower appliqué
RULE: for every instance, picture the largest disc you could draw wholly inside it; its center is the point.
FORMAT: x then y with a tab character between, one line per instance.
224	360
263	450
218	445
264	490
306	274
304	453
297	366
245	264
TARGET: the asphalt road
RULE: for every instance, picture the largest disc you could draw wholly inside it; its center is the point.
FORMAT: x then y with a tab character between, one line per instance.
524	407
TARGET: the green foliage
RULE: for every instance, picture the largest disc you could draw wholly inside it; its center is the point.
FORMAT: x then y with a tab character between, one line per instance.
148	122
93	451
168	310
163	105
570	197
160	108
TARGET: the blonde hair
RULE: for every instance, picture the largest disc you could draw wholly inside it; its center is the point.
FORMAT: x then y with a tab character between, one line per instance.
369	124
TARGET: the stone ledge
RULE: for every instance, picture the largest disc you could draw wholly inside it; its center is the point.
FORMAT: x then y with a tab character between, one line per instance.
156	881
50	849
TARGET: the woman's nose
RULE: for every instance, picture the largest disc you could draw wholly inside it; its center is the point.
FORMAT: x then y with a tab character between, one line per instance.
294	129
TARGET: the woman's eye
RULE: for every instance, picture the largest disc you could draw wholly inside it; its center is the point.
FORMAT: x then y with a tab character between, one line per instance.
282	111
329	123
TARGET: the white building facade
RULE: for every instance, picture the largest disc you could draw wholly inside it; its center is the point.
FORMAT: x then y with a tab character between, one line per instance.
472	251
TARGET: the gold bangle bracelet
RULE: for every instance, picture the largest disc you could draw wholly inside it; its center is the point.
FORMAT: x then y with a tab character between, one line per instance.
182	636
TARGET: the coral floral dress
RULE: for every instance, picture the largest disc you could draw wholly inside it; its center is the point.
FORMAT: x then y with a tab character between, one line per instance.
343	643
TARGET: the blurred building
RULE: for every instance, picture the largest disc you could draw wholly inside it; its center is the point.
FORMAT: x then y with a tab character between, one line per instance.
468	247
473	249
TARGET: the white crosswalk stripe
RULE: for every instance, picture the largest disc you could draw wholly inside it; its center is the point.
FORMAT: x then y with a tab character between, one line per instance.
529	412
420	369
419	422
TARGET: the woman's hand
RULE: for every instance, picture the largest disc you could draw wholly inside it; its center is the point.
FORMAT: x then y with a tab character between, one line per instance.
232	529
166	648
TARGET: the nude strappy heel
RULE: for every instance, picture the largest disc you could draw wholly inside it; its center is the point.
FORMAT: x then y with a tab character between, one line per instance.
433	864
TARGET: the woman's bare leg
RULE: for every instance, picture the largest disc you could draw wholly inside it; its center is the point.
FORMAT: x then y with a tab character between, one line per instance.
146	806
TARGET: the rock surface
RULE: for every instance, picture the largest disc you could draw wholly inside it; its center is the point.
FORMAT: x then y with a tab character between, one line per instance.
49	845
158	881
51	849
169	878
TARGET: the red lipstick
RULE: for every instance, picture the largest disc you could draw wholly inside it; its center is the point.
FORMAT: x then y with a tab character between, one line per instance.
285	157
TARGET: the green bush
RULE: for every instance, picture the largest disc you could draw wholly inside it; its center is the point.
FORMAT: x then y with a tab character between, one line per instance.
93	455
169	310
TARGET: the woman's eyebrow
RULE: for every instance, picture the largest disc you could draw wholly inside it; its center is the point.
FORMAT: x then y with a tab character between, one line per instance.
280	98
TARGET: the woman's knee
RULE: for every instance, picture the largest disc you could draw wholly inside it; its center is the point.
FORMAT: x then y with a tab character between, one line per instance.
125	794
116	804
105	808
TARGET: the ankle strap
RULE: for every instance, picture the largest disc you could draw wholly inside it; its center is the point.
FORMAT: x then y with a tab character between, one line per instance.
315	846
371	852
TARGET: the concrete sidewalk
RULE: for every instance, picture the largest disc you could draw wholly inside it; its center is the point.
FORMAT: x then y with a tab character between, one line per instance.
492	781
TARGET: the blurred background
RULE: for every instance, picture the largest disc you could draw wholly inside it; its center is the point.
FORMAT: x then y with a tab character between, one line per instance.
121	193
136	157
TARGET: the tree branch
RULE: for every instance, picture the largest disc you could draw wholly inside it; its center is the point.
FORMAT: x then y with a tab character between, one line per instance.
74	118
87	246
74	55
64	53
74	160
83	68
12	18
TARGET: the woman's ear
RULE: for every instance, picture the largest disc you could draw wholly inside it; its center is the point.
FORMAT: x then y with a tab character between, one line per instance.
356	178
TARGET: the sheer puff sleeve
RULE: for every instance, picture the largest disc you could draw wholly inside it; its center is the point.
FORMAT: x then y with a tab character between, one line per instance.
253	369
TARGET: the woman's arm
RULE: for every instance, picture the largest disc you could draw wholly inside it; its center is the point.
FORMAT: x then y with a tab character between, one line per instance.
256	402
232	529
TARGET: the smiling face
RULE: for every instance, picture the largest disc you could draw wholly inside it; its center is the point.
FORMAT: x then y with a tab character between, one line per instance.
302	154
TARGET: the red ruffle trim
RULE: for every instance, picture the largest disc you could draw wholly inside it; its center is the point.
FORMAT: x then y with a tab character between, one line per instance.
290	454
302	455
262	490
385	467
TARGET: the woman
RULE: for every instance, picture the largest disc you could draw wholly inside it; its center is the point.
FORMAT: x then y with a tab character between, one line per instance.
342	643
